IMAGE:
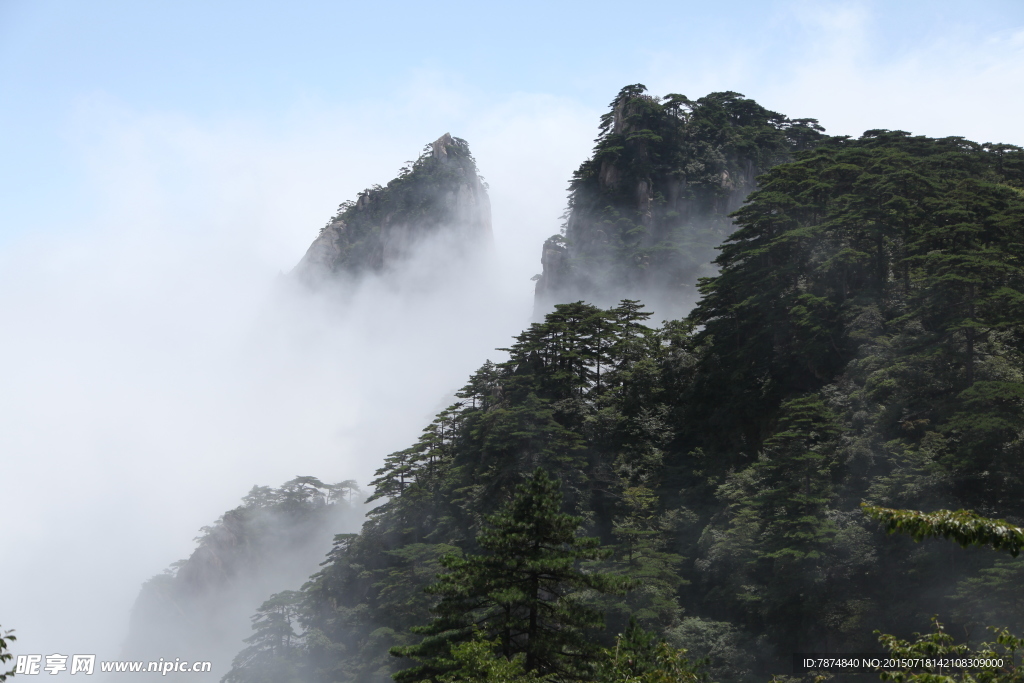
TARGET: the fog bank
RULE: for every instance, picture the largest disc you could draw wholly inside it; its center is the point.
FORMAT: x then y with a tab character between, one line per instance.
157	365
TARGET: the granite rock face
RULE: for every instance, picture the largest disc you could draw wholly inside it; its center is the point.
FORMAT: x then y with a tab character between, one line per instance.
439	196
648	209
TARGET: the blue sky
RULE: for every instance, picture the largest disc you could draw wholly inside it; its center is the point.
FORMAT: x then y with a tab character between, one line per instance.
70	72
210	57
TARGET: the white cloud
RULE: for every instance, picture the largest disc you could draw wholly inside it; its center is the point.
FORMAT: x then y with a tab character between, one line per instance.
834	62
157	370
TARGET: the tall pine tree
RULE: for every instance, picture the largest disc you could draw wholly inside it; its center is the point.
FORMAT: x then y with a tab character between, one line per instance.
523	590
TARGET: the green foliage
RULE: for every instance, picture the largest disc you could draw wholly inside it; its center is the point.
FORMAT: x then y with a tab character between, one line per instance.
638	657
273	652
642	657
938	645
963	526
731	654
858	241
966	528
401	592
780	532
5	656
523	590
642	555
993	596
475	661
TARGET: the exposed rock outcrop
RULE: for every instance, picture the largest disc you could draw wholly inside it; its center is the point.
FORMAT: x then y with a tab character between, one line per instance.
647	210
439	195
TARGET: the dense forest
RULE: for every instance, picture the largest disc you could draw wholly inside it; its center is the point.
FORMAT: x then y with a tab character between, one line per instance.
621	500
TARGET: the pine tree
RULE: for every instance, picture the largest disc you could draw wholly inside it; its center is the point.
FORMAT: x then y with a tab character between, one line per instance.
780	533
641	555
522	591
273	652
397	474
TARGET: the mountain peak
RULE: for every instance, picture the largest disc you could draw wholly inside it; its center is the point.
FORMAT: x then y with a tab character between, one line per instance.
439	147
439	195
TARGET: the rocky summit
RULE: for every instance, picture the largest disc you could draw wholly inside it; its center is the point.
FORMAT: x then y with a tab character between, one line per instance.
439	196
649	207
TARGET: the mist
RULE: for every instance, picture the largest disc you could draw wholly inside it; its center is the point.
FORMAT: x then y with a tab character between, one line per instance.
158	363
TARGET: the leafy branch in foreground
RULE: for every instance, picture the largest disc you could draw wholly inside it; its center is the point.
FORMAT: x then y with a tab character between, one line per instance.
998	658
963	526
475	661
640	656
5	655
939	645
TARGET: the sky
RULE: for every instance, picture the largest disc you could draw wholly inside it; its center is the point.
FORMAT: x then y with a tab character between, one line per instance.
161	164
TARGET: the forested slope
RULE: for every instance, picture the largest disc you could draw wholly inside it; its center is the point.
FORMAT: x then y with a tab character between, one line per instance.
272	541
862	342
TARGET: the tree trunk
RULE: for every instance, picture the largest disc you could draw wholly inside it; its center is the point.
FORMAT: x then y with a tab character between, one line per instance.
531	634
970	337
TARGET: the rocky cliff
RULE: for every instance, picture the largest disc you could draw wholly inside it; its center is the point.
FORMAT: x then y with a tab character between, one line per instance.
647	210
439	196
